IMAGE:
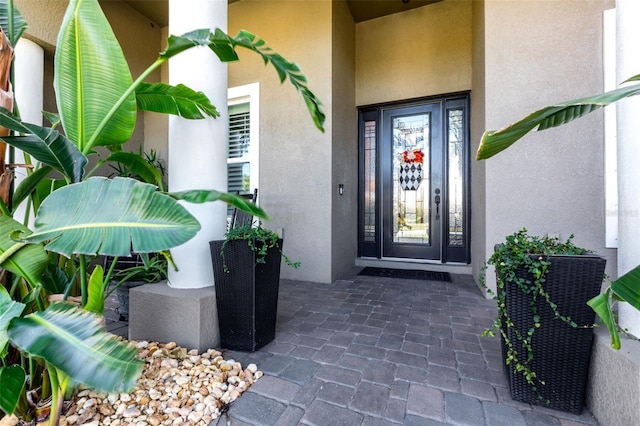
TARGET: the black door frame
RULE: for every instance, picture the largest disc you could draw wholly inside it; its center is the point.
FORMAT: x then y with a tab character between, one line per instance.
370	214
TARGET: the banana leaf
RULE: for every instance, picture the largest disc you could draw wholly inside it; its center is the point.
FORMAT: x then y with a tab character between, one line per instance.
46	145
627	287
224	47
495	141
203	196
178	100
103	216
91	74
27	261
9	309
17	22
76	342
95	302
12	381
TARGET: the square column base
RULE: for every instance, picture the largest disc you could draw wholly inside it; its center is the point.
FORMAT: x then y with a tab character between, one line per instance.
164	314
613	392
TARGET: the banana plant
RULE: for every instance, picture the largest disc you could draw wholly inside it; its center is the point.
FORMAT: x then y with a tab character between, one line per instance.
82	216
627	286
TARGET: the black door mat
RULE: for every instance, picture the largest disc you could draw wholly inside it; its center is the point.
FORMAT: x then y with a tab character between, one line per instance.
415	274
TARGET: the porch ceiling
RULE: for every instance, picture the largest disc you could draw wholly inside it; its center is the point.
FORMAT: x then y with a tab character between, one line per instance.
361	10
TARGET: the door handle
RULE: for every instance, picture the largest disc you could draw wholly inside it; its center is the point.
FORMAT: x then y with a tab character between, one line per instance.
437	203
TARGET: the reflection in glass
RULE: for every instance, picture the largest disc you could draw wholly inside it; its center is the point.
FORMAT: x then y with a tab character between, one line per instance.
456	166
411	159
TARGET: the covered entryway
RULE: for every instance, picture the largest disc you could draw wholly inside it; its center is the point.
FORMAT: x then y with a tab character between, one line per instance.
413	180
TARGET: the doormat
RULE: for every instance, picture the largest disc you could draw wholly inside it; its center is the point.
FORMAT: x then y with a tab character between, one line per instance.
414	274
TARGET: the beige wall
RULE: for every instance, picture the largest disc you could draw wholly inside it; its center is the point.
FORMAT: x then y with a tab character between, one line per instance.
344	142
295	158
553	181
421	52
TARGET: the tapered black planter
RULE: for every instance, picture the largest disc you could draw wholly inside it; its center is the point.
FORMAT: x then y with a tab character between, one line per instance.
561	353
247	295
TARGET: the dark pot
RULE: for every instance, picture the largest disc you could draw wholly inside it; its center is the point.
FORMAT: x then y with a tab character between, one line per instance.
247	295
122	294
561	353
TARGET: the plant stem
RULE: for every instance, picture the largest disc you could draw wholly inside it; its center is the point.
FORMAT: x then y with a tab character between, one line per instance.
83	279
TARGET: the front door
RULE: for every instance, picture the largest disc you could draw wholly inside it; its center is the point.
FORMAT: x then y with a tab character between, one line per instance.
411	154
414	181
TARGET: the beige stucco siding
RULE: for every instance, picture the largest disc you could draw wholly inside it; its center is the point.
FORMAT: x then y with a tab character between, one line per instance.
344	142
552	182
421	52
295	158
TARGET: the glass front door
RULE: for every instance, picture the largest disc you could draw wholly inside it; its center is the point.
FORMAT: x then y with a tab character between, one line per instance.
414	181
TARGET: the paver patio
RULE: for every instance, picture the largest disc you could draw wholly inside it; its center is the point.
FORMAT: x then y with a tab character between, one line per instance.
378	351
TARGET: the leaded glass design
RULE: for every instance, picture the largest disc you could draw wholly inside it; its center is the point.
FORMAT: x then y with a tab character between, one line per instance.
456	175
411	156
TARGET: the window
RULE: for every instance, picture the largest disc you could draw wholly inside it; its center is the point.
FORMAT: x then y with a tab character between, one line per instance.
242	149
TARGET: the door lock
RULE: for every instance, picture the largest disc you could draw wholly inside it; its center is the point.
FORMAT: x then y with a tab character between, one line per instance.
437	203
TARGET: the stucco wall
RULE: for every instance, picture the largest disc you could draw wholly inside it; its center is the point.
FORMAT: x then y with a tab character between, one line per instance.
421	52
344	142
553	181
295	158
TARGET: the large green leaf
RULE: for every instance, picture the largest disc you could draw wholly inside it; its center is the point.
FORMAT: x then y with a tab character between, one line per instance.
12	380
177	100
627	287
9	309
95	302
76	342
199	196
91	74
224	47
495	141
29	261
17	21
46	145
105	216
601	306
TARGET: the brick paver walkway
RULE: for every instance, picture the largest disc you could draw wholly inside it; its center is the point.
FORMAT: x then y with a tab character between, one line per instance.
377	351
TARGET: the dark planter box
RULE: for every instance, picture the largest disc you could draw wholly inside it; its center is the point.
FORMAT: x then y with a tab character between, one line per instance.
246	296
561	353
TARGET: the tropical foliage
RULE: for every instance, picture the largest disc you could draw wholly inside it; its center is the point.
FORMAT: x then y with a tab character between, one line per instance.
626	287
79	216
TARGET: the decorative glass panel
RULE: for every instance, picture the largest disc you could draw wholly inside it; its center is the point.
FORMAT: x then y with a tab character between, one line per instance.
456	176
369	181
411	157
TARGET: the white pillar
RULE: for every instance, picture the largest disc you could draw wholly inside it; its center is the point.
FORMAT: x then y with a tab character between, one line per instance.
628	129
198	148
28	95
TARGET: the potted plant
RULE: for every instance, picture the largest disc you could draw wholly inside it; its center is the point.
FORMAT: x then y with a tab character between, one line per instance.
543	285
246	269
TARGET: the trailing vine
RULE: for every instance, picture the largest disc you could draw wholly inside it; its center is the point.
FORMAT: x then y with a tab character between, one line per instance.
509	257
259	239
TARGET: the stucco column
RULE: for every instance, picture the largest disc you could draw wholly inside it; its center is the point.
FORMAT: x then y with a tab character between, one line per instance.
198	148
28	94
628	129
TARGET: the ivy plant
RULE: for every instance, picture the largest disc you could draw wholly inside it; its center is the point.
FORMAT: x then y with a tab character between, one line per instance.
258	238
520	253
